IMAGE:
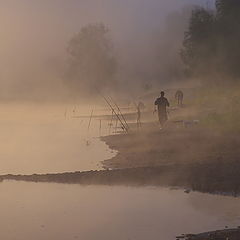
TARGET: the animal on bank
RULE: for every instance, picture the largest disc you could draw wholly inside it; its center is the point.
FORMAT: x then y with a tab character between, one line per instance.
179	97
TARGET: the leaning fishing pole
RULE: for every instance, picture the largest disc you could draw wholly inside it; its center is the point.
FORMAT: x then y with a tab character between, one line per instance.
119	112
109	104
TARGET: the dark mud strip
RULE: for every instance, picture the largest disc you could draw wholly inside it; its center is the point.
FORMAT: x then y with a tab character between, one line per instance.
132	176
231	234
218	177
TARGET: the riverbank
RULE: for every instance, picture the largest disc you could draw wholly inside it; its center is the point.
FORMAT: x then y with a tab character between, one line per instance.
216	177
200	139
231	234
195	158
152	146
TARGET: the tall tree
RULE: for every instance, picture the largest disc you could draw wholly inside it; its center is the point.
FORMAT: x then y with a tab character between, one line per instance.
198	42
228	21
227	9
211	43
92	61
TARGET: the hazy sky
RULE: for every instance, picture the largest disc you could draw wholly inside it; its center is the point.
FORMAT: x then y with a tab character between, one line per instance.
41	21
34	33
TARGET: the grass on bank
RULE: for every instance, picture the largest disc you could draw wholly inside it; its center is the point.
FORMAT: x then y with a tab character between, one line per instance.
220	107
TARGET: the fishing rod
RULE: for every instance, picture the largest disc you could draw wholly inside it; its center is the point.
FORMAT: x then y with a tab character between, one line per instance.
90	119
113	110
119	112
117	115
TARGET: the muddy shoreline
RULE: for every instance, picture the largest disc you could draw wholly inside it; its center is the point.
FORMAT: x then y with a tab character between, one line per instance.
218	177
233	234
196	159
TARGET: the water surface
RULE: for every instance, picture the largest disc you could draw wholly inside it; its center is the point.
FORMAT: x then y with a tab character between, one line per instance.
60	211
49	138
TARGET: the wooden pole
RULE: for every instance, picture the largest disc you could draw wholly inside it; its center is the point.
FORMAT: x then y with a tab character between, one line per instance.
100	126
90	119
111	123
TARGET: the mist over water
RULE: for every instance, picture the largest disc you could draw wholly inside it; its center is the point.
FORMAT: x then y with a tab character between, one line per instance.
92	213
48	139
45	110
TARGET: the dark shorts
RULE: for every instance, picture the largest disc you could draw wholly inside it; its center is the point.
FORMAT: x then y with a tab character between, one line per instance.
163	117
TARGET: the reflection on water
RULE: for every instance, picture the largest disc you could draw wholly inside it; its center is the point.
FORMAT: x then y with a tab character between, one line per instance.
43	139
227	208
93	213
37	139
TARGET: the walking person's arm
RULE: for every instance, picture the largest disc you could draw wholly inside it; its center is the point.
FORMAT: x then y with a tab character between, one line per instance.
155	107
167	103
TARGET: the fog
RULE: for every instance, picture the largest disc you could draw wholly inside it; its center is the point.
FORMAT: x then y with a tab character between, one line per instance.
79	83
38	138
35	35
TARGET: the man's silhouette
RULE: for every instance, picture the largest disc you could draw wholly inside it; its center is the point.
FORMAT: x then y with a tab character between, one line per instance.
162	103
139	124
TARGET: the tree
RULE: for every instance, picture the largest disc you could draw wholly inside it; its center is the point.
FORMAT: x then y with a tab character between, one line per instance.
198	44
211	43
228	20
92	62
227	9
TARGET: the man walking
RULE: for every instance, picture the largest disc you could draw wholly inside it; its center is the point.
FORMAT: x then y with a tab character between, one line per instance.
162	103
139	124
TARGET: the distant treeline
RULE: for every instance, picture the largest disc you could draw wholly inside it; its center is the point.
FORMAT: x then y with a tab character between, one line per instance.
96	62
211	42
210	50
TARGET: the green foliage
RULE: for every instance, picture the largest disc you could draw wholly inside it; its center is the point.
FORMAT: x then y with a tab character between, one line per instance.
211	43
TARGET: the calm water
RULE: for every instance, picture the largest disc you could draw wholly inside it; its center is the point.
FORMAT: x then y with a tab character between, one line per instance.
43	139
58	212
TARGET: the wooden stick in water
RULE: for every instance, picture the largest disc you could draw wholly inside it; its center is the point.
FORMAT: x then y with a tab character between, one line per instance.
100	126
90	120
111	123
65	113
